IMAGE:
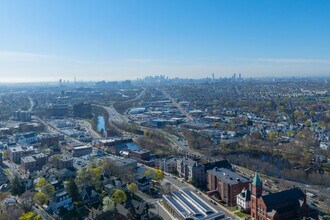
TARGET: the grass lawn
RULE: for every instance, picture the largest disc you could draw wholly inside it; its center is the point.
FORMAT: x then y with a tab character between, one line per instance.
232	208
241	214
7	172
326	217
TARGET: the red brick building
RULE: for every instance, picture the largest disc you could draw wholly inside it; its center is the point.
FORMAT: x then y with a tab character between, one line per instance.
140	154
288	204
227	183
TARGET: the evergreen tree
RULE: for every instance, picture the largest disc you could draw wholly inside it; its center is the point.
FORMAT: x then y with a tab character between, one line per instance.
72	189
16	187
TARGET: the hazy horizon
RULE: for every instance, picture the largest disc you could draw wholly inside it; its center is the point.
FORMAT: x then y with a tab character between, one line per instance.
119	40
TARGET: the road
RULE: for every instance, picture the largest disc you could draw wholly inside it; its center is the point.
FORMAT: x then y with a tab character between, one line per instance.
176	104
42	213
142	93
89	129
31	104
14	169
114	116
54	129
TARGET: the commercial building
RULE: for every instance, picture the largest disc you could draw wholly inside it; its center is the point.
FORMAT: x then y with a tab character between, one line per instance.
82	110
137	111
81	151
140	154
186	205
125	164
22	116
58	110
114	141
227	184
116	145
158	123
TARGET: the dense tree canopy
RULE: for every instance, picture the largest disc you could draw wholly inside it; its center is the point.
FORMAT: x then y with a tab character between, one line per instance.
119	196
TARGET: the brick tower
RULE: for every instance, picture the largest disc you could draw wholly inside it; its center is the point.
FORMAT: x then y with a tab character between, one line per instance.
256	192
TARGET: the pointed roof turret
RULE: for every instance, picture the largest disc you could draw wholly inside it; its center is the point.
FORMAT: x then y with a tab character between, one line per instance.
256	180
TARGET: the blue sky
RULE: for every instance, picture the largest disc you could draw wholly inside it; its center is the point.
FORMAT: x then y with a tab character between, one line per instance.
43	40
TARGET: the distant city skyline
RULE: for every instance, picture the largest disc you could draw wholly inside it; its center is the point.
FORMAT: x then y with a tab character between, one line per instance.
119	40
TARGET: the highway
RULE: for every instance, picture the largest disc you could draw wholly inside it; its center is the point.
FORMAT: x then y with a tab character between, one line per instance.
114	116
31	104
89	129
142	93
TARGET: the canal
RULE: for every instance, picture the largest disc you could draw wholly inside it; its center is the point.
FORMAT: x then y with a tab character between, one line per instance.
101	125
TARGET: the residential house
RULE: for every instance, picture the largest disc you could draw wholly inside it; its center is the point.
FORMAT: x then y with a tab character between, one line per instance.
66	173
123	213
58	185
98	214
143	183
89	195
243	200
61	200
139	209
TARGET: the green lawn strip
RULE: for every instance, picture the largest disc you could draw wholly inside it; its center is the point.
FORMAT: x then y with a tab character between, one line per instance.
241	214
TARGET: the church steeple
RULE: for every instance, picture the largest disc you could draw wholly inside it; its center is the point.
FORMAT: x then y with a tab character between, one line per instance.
256	193
256	180
256	186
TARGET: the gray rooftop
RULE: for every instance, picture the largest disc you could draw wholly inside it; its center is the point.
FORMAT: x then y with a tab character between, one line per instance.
66	157
28	159
141	151
40	155
124	162
16	149
228	176
189	162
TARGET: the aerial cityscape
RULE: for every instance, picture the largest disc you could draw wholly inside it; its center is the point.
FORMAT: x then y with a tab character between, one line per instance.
164	110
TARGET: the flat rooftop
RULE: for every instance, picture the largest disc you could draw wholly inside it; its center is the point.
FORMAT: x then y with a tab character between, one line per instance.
28	159
228	176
